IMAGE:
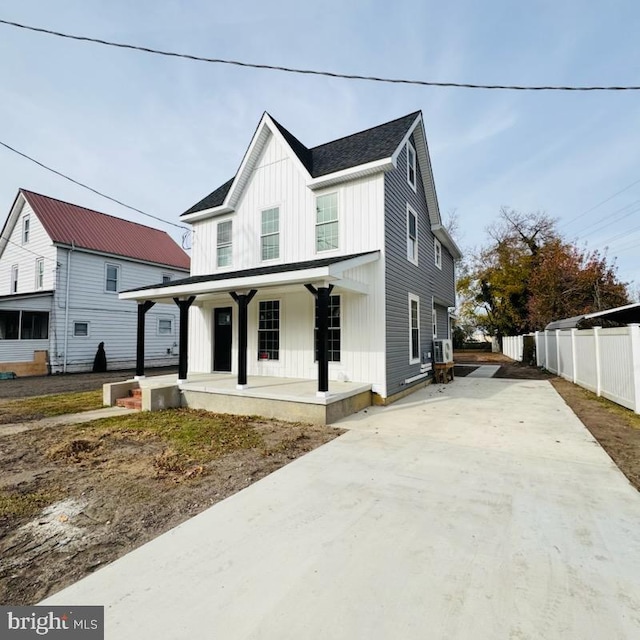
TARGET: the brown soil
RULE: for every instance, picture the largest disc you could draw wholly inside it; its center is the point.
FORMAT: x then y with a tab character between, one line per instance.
105	493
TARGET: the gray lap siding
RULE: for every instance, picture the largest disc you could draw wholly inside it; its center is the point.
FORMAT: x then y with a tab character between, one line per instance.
402	277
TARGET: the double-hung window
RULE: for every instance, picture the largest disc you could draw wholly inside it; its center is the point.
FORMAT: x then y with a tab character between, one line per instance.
270	234
224	243
434	319
327	236
333	329
414	329
165	326
112	278
14	278
437	253
269	330
412	235
25	229
39	273
411	165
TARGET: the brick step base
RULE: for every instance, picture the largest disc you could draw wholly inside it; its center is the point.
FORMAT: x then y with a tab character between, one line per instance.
134	401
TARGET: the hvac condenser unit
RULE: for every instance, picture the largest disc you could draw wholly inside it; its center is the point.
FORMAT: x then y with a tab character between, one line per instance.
442	351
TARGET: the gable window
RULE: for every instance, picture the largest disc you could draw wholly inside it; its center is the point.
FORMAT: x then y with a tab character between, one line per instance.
269	330
270	234
165	326
25	229
434	317
437	252
80	329
112	277
334	330
39	273
327	222
412	235
224	243
414	329
166	277
14	278
411	165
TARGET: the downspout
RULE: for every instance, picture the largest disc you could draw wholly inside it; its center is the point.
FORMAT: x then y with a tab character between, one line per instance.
66	309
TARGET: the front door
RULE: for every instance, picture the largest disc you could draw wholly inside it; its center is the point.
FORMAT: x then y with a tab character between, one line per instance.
222	339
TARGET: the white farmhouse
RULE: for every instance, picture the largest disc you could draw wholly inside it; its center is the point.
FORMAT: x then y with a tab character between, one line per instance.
61	269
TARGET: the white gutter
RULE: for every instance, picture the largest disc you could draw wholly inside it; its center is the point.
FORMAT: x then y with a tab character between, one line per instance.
66	310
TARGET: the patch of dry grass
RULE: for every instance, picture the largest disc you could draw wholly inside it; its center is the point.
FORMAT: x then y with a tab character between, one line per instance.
14	504
39	407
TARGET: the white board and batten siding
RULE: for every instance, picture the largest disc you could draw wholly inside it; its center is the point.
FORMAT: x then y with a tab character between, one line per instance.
277	181
110	320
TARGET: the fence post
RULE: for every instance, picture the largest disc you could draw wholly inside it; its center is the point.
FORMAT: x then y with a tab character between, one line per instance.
573	355
596	344
558	352
546	350
537	340
634	336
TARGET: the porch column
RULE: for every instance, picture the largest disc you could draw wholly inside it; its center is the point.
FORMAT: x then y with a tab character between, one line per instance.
184	336
242	300
143	307
322	296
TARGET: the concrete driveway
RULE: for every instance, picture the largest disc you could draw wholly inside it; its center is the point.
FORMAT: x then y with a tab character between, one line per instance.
479	510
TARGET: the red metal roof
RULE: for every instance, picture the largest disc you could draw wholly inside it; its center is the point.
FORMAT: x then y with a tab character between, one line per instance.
67	223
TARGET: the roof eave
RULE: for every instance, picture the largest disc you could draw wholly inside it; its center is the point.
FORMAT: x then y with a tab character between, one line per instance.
212	212
445	238
353	173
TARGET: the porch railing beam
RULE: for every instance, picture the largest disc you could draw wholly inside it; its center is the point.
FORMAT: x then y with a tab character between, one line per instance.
242	300
183	305
143	307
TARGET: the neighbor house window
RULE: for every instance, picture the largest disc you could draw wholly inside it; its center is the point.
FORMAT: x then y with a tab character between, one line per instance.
414	329
112	277
166	277
81	329
334	329
327	222
165	326
270	234
434	316
269	330
39	273
224	243
9	325
437	252
25	229
412	235
411	165
14	278
34	325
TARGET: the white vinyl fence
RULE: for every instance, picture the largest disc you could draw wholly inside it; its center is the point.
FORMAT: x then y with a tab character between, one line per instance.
605	361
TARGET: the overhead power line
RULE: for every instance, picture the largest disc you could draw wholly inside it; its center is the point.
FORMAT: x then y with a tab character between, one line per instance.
314	72
85	186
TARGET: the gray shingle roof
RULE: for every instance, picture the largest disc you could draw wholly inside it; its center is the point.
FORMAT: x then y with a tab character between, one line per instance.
351	151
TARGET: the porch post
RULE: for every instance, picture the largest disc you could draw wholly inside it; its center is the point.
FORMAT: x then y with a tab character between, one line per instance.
184	336
322	296
143	307
242	300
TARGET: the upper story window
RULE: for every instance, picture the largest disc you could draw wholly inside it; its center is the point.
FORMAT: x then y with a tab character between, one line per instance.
270	234
327	222
437	252
39	273
414	329
412	235
224	243
112	278
25	229
411	165
14	278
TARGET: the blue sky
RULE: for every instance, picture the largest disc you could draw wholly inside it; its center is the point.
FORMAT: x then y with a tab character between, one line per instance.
161	133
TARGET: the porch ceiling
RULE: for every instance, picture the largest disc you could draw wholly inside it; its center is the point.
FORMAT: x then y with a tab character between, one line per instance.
329	270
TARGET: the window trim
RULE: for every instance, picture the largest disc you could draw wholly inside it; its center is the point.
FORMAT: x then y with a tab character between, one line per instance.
164	319
15	273
258	331
225	244
39	273
26	228
414	298
437	253
106	277
76	323
411	212
270	234
317	224
412	166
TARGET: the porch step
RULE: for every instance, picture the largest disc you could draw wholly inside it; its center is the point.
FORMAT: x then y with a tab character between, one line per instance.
134	401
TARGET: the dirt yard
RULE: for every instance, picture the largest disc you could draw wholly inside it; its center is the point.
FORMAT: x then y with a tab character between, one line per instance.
76	497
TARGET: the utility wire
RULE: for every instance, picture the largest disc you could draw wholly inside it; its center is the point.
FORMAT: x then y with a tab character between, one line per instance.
329	74
38	255
601	225
84	186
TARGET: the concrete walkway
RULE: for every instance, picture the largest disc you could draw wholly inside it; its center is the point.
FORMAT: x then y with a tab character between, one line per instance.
477	510
484	371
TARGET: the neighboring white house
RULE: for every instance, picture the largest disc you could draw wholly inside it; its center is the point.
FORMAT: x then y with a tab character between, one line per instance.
61	269
353	224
